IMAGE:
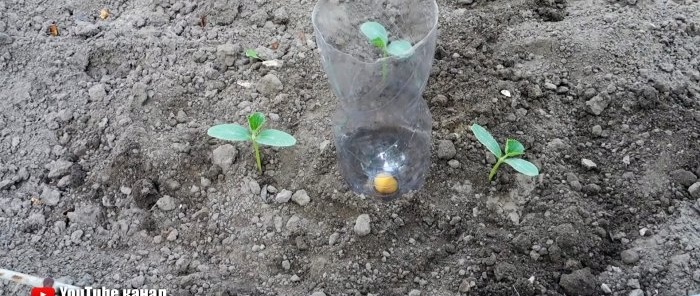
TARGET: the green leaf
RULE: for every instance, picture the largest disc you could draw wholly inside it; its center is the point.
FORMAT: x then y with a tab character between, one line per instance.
273	137
400	48
485	138
256	121
374	31
229	132
523	166
251	53
514	148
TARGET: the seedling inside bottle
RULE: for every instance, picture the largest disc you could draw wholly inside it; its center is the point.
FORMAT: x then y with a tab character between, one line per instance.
379	38
252	54
513	148
254	134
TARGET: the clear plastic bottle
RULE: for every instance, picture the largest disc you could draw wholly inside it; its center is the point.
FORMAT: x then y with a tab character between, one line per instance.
382	125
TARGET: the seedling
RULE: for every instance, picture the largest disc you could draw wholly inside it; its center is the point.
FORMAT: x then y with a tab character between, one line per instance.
252	54
513	148
379	38
254	134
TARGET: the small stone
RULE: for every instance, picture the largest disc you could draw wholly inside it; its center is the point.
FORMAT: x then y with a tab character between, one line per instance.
286	265
318	294
439	100
333	238
283	196
97	93
362	225
694	190
224	156
76	235
588	164
696	275
86	29
58	168
466	285
683	177
453	163
636	292
597	130
295	278
550	86
301	197
138	281
226	54
294	223
172	235
5	184
629	256
269	86
597	105
633	283
5	39
667	67
166	203
414	292
579	282
591	188
50	196
446	149
254	187
605	288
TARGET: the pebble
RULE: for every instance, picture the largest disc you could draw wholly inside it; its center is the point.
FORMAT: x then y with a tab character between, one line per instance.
696	275
58	168
446	149
587	163
269	86
172	235
597	130
597	105
550	86
50	196
629	256
97	93
694	190
76	235
283	196
606	289
293	224
318	294
414	292
286	265
453	163
295	278
224	156
5	184
579	282
362	225
166	203
683	177
5	39
466	285
636	292
301	197
633	283
333	238
138	281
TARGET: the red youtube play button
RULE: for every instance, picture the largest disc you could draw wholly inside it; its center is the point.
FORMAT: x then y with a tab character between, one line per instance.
43	291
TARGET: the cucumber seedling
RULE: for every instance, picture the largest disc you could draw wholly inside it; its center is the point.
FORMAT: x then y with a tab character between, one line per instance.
254	134
252	54
513	148
379	38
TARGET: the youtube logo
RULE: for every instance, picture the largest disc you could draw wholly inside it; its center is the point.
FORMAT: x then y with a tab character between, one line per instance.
43	291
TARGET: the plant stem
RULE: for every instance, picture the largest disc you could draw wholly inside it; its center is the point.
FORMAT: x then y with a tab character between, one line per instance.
257	156
495	167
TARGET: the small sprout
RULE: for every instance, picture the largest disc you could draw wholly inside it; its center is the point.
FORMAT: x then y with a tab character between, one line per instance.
379	37
513	148
254	134
104	13
252	54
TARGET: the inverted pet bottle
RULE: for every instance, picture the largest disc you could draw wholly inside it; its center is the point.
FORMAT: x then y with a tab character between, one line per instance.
382	124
